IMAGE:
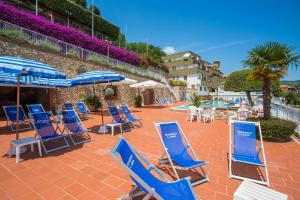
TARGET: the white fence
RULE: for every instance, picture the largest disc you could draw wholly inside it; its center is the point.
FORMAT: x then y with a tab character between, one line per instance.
65	48
288	113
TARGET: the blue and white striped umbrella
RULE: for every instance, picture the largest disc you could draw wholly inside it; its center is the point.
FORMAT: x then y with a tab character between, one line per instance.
96	77
52	83
9	79
15	65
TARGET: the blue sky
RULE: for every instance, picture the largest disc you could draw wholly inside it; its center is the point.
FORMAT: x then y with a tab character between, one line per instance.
216	30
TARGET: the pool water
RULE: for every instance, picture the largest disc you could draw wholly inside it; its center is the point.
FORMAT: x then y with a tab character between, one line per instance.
209	104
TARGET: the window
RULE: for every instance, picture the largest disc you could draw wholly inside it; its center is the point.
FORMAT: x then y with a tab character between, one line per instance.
200	88
204	88
185	78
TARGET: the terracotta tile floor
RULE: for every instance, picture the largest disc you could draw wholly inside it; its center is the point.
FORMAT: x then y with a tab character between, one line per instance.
88	172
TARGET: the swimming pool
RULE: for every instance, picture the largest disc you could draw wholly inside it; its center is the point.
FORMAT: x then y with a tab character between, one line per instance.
209	104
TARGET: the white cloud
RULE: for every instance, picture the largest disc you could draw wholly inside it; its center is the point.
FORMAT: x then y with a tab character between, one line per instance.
169	50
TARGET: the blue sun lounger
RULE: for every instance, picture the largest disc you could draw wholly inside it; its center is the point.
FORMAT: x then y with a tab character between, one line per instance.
178	152
68	106
129	116
83	110
11	116
146	183
35	108
45	130
245	150
164	100
113	110
73	126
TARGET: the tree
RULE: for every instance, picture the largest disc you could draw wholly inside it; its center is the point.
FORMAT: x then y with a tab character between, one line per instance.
269	62
96	10
239	81
147	50
82	3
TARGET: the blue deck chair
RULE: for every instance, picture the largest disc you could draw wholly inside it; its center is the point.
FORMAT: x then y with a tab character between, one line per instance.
164	100
172	100
11	116
83	110
46	131
129	116
159	188
178	152
73	126
68	106
113	110
35	108
245	149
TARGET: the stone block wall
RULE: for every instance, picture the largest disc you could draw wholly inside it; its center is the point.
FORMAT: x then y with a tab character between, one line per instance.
71	66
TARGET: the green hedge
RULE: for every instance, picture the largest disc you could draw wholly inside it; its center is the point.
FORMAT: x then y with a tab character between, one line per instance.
81	15
276	129
177	83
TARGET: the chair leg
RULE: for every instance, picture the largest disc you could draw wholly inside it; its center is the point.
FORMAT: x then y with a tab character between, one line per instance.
40	149
17	153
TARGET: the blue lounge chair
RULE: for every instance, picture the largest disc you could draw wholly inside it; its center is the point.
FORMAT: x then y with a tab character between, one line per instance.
74	126
68	106
172	100
159	188
11	116
178	152
164	100
244	148
35	108
129	116
113	110
83	110
45	130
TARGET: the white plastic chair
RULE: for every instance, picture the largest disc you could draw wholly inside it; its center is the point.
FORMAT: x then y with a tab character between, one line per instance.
192	113
208	115
243	114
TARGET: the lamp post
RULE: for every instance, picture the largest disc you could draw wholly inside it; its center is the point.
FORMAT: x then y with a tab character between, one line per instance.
69	14
36	7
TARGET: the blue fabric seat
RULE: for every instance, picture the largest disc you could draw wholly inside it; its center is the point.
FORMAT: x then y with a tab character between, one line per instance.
45	130
68	106
178	151
11	116
245	147
129	116
117	118
74	126
83	110
160	188
164	100
35	108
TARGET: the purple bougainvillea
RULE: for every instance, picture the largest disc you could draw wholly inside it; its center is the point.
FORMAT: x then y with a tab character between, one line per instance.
63	33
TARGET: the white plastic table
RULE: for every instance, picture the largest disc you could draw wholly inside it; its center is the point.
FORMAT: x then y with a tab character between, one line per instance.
113	125
17	144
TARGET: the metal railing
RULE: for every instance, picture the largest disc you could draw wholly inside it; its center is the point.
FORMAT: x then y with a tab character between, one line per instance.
70	49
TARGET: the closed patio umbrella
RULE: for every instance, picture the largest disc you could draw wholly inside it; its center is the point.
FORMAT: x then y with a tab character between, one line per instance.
25	67
97	77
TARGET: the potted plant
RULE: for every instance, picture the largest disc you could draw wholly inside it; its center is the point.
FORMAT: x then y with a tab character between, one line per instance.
109	93
138	101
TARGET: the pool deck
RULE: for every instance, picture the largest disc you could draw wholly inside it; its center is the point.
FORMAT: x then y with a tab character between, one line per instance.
87	171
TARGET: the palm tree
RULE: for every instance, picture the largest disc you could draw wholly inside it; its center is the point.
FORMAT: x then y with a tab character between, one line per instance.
270	62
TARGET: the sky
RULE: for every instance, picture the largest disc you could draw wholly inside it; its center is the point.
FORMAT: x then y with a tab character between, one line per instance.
224	30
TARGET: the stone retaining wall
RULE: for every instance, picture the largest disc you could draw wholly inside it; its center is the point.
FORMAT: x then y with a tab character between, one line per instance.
71	66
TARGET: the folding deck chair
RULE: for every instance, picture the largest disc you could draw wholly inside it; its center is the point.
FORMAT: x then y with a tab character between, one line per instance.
129	116
35	108
11	116
177	147
83	110
45	130
113	110
164	100
74	126
68	106
146	183
245	150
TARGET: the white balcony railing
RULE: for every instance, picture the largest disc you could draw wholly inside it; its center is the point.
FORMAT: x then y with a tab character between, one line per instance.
34	38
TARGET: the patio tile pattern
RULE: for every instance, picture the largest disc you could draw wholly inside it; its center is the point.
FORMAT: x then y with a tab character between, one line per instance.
87	171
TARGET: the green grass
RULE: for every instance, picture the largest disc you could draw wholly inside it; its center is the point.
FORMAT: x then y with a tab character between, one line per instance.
13	34
72	52
46	45
98	59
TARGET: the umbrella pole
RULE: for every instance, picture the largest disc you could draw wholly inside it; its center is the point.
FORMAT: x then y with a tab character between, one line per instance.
18	104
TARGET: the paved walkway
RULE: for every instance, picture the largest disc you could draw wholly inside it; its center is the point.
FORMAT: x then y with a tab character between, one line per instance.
88	172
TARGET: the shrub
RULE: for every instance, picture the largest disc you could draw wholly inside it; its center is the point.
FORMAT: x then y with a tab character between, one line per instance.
196	100
63	33
91	100
138	101
97	59
276	129
13	34
47	45
72	52
178	83
109	92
